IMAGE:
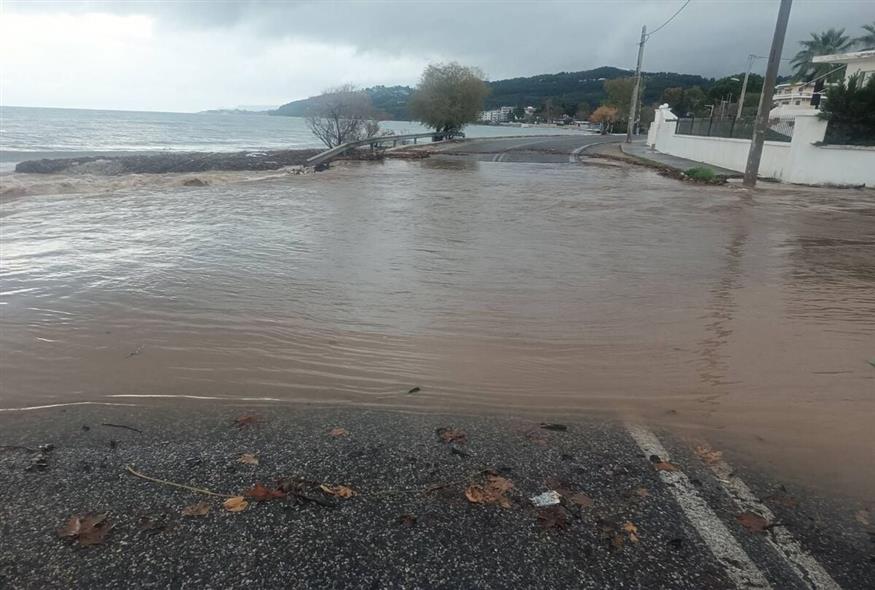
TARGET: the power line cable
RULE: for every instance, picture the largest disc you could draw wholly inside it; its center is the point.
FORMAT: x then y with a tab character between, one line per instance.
671	18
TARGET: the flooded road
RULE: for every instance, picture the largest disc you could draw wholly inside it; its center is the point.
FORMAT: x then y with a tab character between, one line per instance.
542	289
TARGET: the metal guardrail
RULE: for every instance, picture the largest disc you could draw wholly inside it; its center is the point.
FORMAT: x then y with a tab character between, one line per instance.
327	155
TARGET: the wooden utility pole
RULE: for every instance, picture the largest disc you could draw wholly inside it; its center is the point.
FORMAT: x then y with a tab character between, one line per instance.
633	106
762	121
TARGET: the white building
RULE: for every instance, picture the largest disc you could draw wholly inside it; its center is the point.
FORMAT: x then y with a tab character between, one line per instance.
790	99
858	62
499	115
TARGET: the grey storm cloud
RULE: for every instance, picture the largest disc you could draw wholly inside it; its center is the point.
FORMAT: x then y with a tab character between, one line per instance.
710	37
214	53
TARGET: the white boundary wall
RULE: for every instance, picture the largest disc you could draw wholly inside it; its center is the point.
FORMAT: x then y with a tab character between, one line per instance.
799	161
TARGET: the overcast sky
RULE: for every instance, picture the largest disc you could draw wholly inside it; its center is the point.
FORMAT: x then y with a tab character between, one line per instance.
183	55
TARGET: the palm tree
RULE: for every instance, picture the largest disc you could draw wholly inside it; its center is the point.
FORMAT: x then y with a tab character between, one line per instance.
866	41
826	43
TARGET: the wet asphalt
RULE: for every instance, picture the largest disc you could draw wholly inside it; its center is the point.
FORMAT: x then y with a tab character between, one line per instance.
410	524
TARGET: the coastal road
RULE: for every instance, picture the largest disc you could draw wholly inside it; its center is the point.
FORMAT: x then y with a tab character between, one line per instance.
544	149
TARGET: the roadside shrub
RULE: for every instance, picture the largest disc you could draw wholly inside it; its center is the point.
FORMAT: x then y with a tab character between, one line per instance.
850	109
701	174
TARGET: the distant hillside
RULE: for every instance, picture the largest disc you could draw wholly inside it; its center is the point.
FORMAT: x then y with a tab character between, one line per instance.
390	102
564	88
572	88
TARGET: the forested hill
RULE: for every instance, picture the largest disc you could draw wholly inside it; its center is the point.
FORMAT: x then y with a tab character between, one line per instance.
564	88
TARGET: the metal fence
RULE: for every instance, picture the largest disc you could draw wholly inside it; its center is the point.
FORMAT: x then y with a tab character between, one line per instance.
779	129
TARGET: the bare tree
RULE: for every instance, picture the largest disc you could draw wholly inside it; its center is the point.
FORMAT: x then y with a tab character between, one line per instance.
341	115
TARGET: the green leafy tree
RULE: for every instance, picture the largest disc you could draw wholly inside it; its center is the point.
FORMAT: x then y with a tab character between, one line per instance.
619	95
825	43
850	109
685	101
448	97
867	39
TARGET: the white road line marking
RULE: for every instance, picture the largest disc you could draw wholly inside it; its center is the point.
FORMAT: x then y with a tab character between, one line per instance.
780	539
738	565
500	156
573	157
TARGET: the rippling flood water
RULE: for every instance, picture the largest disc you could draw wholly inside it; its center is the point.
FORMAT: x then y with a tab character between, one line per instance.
532	288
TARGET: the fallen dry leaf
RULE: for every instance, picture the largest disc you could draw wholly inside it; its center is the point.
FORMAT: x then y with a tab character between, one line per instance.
338	432
709	455
452	435
553	517
338	490
245	420
248	459
783	500
475	494
407	519
199	509
261	493
753	522
617	542
537	436
863	517
492	491
235	504
90	529
665	466
642	492
579	499
632	531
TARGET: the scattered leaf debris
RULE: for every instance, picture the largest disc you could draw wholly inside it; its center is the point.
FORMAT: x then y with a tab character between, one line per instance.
262	493
709	455
197	509
235	504
493	490
665	466
632	531
248	459
337	490
753	522
452	435
577	498
338	432
408	520
784	500
537	436
553	517
90	529
245	421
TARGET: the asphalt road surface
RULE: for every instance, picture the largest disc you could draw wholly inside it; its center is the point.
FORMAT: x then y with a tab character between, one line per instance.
552	149
640	508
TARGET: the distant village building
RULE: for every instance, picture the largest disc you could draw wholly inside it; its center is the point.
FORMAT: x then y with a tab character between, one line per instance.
791	98
499	115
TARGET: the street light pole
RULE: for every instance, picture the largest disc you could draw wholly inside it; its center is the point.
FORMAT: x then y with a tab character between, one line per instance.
762	121
750	59
633	106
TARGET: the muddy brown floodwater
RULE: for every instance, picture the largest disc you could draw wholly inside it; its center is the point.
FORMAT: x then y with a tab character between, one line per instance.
540	289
